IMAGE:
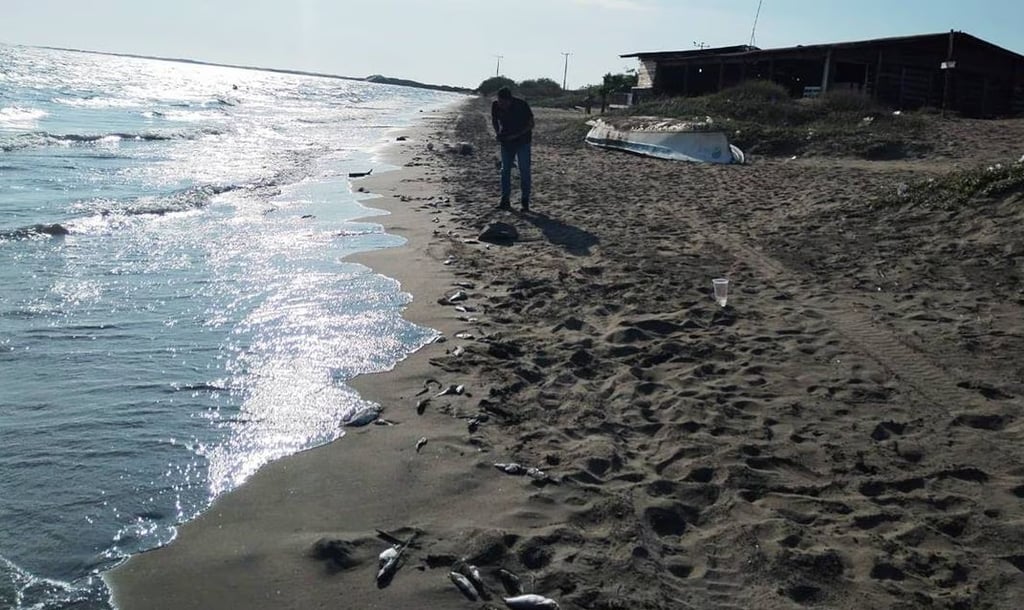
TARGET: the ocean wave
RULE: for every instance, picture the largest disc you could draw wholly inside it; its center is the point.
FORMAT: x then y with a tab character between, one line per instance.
101	210
36	592
185	200
16	117
39	139
35	231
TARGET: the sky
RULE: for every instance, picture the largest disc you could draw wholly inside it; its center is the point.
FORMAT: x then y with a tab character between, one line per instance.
457	42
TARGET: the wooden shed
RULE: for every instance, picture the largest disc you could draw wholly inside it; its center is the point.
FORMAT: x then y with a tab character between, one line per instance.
951	70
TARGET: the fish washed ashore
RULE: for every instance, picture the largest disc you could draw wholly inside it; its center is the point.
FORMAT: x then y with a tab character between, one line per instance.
844	433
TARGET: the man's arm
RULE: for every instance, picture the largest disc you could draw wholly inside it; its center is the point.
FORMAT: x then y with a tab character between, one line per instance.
494	119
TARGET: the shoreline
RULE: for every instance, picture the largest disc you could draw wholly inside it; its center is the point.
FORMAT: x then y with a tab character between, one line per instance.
291	493
843	434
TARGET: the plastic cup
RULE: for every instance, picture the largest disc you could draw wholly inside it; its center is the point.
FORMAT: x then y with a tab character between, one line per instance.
721	290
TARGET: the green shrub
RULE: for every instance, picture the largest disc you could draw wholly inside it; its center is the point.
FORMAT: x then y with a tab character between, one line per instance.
539	88
491	85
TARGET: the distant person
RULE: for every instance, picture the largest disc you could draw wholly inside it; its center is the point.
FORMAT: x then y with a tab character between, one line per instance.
513	125
604	101
588	104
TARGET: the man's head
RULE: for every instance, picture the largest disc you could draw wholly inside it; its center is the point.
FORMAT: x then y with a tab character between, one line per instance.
504	97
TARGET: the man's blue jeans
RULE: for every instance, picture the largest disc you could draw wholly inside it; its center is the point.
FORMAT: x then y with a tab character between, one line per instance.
516	151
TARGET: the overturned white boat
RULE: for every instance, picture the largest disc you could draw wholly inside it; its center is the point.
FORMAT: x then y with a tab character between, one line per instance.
699	141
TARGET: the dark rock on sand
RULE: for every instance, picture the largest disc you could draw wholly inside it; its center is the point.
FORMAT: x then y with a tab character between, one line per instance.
338	552
499	233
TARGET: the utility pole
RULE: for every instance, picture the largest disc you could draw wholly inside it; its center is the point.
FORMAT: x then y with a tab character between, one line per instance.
497	70
565	73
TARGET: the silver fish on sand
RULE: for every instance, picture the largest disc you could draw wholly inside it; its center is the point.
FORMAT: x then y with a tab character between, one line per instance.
420	443
458	351
531	602
387	555
391	560
362	417
456	390
459	295
464	585
511	468
472	573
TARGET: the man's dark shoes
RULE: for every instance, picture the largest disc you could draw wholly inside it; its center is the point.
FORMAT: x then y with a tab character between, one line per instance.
526	205
504	205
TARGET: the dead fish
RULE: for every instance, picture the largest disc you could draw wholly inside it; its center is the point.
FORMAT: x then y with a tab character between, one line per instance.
458	296
472	573
464	585
389	566
466	285
359	174
387	555
420	443
449	261
390	560
458	351
362	417
511	468
451	390
465	336
380	421
531	602
511	582
421	405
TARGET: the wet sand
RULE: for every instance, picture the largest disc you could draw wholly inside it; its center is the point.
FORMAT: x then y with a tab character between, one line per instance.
846	433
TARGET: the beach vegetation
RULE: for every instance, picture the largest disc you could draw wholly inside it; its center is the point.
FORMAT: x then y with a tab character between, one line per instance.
491	85
619	83
958	188
760	117
538	88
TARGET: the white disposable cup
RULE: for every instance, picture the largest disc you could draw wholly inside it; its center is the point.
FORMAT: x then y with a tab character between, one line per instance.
721	290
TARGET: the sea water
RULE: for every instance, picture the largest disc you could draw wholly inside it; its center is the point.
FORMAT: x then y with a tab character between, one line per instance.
198	318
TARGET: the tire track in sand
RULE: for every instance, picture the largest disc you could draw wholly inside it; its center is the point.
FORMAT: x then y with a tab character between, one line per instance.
912	367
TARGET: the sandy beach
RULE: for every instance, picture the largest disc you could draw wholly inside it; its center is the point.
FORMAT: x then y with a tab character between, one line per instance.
845	433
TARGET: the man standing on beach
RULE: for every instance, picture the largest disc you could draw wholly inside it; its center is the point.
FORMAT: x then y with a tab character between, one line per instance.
513	124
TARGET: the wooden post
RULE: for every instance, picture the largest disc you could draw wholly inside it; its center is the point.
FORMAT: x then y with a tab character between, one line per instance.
721	74
686	78
878	77
948	75
827	72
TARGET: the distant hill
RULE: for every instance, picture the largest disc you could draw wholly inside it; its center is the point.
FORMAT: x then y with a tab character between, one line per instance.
376	78
387	80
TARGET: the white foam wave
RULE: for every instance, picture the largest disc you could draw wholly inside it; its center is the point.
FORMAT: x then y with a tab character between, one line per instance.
16	117
31	592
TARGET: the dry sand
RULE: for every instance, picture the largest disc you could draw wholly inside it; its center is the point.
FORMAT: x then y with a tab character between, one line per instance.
847	433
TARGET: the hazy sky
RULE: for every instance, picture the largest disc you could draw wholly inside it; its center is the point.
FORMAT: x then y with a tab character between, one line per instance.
455	41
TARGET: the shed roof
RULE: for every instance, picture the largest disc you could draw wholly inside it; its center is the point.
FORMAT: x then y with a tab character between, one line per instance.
750	51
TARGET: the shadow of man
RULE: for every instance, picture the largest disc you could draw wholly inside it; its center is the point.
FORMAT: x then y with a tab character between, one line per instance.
573	240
